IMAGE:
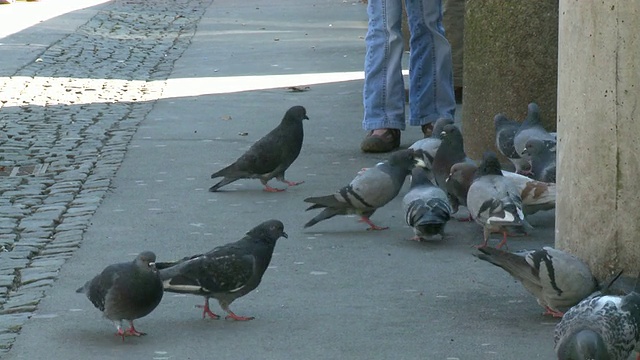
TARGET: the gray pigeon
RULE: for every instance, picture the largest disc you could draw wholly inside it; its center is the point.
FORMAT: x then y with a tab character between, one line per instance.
270	156
505	133
430	145
493	201
126	291
600	327
557	279
543	161
532	128
536	195
426	206
369	190
227	272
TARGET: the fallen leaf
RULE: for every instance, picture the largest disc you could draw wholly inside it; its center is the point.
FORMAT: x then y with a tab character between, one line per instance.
298	88
226	117
244	133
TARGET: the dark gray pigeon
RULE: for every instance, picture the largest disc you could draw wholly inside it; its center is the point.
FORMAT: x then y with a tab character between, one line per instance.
430	145
601	326
536	195
505	133
370	190
493	201
558	280
227	272
543	161
270	156
426	206
126	291
532	128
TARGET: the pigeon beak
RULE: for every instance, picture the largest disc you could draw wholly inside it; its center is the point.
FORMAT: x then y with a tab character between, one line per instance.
152	265
525	152
306	117
447	179
285	235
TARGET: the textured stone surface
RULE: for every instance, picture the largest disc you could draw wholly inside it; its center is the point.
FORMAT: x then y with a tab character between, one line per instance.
510	59
66	122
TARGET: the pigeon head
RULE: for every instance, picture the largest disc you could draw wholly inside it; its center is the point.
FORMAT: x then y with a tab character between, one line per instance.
534	147
462	173
296	113
406	159
585	344
500	120
451	134
146	261
439	125
533	115
269	231
490	165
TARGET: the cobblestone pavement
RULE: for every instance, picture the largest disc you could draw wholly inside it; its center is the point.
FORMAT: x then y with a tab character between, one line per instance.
66	120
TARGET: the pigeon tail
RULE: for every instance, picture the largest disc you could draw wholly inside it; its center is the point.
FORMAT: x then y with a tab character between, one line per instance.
223	182
327	213
515	265
323	201
81	289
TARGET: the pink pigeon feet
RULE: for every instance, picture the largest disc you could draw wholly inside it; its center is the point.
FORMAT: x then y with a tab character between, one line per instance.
131	331
238	318
268	188
372	226
207	312
292	183
465	219
554	313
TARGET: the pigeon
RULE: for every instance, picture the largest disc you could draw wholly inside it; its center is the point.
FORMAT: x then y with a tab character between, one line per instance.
557	279
227	272
505	133
126	291
601	326
430	145
426	206
493	201
270	156
532	128
369	190
536	195
543	161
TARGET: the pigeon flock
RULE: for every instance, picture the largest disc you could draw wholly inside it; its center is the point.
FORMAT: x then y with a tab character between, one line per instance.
596	323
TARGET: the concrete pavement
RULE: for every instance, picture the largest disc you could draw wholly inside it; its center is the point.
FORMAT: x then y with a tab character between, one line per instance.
133	155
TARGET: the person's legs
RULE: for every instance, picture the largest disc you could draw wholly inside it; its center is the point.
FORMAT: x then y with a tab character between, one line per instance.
431	93
383	93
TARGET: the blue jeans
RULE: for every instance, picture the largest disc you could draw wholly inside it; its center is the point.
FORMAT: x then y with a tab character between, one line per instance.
431	93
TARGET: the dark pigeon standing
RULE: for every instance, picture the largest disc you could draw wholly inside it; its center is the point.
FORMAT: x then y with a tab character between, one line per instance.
227	272
532	128
371	189
270	156
451	151
430	145
426	206
505	133
543	161
126	291
600	327
493	201
557	279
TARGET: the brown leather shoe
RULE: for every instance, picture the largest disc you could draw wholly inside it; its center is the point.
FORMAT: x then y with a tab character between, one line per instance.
386	142
427	130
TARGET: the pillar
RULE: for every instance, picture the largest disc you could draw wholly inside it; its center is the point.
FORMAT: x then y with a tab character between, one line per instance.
510	59
598	204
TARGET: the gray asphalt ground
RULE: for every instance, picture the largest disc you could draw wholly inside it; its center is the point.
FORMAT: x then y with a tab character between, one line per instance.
335	290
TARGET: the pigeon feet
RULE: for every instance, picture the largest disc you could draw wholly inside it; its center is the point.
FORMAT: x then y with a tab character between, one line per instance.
207	312
292	183
238	318
465	219
554	313
372	226
268	188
